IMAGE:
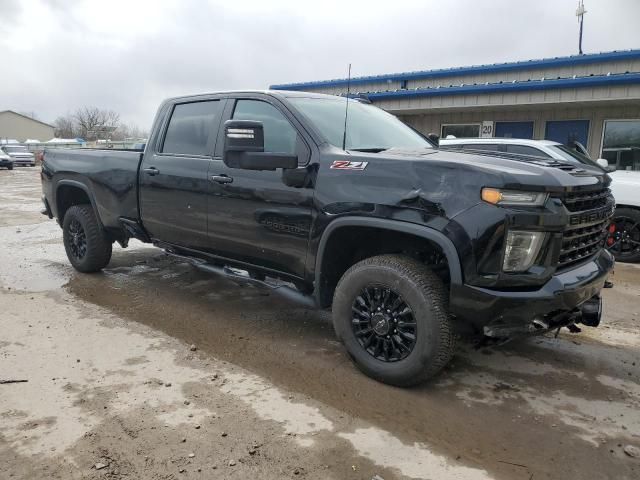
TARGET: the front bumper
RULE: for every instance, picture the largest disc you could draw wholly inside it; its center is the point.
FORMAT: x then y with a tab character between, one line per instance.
523	312
23	160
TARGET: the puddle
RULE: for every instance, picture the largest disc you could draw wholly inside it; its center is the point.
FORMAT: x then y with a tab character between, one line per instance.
33	258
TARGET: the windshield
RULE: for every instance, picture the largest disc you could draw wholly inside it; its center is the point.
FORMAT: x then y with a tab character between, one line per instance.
368	128
16	149
572	155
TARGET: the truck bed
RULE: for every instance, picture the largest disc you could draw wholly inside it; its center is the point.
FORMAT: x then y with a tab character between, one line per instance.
109	175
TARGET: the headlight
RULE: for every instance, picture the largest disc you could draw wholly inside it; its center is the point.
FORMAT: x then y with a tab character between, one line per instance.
513	197
521	250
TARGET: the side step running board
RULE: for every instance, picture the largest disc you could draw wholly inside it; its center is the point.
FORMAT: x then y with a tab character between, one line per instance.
285	291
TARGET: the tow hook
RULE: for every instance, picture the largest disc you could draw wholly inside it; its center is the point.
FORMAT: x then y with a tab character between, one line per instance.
591	311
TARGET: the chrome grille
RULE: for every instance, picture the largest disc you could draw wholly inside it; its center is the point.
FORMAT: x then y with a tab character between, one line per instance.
587	229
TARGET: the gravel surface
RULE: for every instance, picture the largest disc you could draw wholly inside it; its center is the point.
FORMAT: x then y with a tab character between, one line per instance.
154	370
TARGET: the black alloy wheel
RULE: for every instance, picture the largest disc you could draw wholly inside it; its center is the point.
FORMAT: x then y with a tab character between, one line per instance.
77	240
87	244
390	312
623	239
383	323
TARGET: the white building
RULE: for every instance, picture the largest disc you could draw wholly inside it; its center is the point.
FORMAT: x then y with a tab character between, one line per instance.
591	98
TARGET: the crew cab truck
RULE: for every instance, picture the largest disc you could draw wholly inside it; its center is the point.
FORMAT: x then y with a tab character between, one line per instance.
411	247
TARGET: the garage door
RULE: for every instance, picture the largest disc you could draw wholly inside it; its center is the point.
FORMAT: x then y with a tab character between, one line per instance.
567	131
514	129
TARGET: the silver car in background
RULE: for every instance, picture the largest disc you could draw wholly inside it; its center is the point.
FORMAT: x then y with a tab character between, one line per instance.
19	154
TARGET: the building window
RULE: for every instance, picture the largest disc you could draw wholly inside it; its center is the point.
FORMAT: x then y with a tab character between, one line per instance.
514	129
567	132
461	130
621	144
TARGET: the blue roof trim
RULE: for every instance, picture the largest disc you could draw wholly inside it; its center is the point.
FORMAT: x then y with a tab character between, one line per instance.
503	87
476	69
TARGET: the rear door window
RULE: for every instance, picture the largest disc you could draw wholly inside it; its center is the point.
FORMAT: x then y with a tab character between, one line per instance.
192	128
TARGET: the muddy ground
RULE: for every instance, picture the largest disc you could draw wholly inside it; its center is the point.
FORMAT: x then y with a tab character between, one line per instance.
154	370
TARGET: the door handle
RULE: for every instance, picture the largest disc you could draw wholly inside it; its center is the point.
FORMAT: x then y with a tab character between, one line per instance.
221	178
151	171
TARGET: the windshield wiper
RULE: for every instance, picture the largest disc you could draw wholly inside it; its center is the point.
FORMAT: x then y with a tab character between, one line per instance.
369	150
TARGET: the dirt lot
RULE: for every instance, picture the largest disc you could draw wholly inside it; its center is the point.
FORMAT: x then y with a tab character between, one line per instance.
154	370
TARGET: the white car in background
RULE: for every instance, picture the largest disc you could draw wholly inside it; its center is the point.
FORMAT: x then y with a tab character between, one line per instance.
624	232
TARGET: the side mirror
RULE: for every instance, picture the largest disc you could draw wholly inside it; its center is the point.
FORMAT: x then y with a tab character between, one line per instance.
244	148
435	139
603	163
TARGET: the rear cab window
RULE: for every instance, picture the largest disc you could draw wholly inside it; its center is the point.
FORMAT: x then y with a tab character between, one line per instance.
526	150
490	147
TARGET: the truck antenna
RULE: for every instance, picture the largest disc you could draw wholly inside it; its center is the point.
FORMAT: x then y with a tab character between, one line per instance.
346	110
580	11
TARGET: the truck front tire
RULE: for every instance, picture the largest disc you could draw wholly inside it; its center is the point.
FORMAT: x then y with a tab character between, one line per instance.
88	247
390	311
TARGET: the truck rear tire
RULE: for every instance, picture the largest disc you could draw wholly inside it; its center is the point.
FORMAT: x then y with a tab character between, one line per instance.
390	312
88	247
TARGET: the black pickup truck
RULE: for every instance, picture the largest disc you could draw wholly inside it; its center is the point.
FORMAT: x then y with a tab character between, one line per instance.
411	246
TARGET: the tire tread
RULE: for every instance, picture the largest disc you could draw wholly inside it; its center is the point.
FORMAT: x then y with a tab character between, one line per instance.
99	248
435	294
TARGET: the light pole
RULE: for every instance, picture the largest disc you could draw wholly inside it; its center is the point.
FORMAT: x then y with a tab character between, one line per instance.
580	11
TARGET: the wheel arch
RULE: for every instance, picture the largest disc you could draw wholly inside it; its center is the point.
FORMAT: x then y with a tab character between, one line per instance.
324	287
73	192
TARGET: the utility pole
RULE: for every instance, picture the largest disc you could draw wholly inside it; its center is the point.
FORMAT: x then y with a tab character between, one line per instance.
580	11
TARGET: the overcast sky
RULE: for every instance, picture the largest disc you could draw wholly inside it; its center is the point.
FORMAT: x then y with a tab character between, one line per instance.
128	55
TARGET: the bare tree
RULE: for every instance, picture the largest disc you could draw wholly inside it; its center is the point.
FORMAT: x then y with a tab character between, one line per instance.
95	123
65	127
129	131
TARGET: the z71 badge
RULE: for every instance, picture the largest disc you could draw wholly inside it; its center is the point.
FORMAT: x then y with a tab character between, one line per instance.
347	165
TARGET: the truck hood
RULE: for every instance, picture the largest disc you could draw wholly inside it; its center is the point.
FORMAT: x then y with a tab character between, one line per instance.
506	172
20	155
